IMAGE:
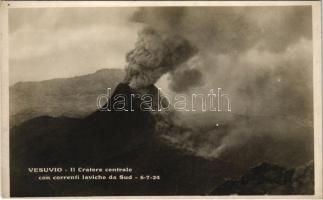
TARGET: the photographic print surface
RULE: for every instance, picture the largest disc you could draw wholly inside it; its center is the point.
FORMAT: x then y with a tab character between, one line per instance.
139	101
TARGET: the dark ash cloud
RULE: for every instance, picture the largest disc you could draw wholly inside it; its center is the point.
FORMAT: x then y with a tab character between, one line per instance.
183	79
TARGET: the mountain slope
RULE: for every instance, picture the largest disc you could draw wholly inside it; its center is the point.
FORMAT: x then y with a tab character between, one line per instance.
69	97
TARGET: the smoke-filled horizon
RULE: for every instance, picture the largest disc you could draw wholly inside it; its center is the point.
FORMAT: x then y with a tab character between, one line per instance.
262	57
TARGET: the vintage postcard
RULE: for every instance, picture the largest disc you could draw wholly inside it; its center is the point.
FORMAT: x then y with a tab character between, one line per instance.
179	99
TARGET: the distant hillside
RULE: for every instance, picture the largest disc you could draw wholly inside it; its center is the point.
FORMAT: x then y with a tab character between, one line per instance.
70	97
129	139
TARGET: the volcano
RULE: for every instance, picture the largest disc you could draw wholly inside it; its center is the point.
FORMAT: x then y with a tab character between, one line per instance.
107	140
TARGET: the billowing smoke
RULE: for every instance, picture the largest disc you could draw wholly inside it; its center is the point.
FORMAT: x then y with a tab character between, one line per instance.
154	55
262	57
187	76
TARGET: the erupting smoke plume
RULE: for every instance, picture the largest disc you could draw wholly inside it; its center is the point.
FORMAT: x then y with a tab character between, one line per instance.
161	45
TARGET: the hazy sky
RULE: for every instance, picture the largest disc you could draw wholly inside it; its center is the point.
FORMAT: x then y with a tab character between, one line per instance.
49	43
64	42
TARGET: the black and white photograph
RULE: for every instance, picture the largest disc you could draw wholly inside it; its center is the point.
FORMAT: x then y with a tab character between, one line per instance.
164	100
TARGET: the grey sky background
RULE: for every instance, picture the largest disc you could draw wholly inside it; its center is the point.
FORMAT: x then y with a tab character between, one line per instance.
48	43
